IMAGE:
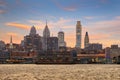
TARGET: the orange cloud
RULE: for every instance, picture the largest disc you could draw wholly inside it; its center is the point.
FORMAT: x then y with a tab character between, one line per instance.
107	42
12	34
18	25
99	36
15	36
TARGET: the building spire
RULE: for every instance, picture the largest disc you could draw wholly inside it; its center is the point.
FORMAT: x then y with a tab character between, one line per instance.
11	44
11	39
86	34
86	40
46	22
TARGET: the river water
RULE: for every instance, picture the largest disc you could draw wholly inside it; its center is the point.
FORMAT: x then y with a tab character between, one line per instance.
59	72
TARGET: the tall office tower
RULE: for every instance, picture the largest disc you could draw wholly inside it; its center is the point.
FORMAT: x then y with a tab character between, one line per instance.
46	35
86	40
78	34
61	42
11	44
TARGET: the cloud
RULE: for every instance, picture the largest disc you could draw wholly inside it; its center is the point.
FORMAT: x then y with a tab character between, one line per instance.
89	17
69	7
12	34
117	17
99	36
104	1
3	7
5	36
2	11
2	3
61	22
105	32
17	25
110	26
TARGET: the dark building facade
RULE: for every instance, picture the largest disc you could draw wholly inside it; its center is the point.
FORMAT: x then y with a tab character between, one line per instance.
52	44
33	41
94	46
114	46
46	35
86	40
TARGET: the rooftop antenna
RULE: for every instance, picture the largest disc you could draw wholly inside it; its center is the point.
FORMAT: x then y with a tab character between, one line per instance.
52	34
60	29
46	22
11	39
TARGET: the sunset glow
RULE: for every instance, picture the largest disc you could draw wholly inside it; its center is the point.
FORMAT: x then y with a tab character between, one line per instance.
101	18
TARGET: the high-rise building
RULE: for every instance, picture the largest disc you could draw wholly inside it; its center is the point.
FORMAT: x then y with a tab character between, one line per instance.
86	40
61	42
78	34
32	41
33	31
52	44
46	35
2	45
11	43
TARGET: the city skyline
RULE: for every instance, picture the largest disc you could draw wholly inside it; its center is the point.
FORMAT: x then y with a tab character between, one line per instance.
101	19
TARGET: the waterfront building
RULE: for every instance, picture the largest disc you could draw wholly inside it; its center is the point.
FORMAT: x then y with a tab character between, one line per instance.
115	53
94	46
114	46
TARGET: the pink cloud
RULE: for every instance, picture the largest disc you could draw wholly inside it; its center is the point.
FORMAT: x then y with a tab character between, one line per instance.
109	26
88	17
61	22
70	8
103	1
2	11
2	3
66	8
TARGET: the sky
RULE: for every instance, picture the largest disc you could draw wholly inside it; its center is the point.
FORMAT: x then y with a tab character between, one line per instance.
100	18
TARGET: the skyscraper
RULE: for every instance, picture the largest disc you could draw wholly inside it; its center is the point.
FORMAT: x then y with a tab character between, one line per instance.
11	44
32	41
61	42
33	31
86	40
2	45
46	35
52	44
78	34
